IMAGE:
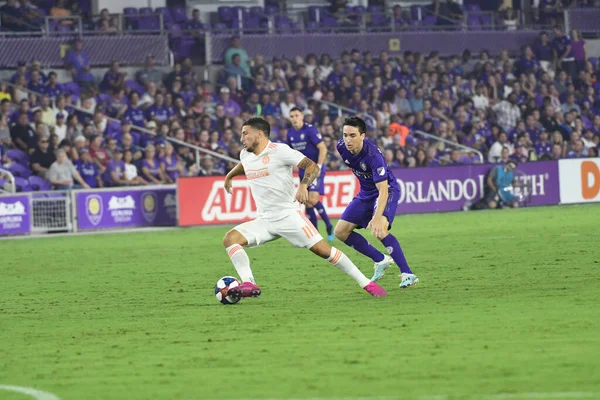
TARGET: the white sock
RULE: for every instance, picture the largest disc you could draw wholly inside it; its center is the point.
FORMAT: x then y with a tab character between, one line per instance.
341	261
241	262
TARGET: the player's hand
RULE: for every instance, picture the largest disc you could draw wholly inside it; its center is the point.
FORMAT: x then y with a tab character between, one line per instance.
227	185
378	226
302	194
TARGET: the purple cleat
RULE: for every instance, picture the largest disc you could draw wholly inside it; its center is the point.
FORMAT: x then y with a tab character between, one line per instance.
375	290
246	289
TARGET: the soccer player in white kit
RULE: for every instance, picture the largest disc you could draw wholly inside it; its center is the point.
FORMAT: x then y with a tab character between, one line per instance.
268	168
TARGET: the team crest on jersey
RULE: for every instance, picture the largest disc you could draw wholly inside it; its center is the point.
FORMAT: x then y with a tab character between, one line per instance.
302	136
363	166
347	162
266	159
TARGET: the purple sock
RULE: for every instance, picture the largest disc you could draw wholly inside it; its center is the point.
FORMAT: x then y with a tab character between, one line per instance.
312	217
321	210
362	245
393	248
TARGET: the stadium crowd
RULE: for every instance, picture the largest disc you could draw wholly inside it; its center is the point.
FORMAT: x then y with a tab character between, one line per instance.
540	104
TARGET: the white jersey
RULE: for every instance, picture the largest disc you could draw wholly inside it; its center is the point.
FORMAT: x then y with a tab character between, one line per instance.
271	181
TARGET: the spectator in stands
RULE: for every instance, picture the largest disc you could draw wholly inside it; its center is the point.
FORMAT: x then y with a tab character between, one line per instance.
149	73
151	170
23	135
133	112
235	69
48	113
78	61
42	157
563	52
62	173
550	10
106	23
60	129
510	20
115	170
131	172
99	155
577	150
11	16
578	50
232	108
170	165
508	112
127	145
114	79
88	169
236	49
61	12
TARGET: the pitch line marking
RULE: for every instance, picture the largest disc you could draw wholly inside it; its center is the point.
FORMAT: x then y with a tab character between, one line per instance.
497	396
36	394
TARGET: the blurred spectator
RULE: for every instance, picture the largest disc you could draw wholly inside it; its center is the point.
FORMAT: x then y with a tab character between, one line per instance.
115	170
543	48
11	13
236	49
563	52
510	20
88	169
78	61
496	150
170	165
131	173
508	112
231	107
23	135
60	11
42	157
578	50
151	170
60	129
114	79
99	155
149	73
62	173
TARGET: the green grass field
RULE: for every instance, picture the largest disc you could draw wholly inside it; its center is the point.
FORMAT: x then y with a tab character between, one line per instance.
509	303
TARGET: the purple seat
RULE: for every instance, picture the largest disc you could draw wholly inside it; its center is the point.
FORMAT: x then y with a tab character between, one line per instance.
150	23
375	9
72	88
136	87
271	9
18	156
19	170
179	14
594	61
474	21
219	26
146	10
311	26
486	20
473	7
415	11
165	13
359	10
130	11
225	14
430	20
104	98
22	184
175	32
329	22
239	12
312	13
256	11
38	183
252	23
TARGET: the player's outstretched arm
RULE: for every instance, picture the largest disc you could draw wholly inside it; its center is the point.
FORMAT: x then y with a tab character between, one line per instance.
237	170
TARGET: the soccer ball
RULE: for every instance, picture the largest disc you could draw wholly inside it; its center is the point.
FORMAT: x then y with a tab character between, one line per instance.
222	289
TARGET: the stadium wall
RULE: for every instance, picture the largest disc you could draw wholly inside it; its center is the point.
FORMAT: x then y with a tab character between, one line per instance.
203	200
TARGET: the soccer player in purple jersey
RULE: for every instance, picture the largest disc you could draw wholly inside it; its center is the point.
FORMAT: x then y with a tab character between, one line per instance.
375	205
307	140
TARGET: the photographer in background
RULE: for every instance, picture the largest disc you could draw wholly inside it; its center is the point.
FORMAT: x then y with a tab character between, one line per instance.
498	192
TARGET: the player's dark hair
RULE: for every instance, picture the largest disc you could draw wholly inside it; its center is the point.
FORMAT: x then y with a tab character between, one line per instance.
357	123
259	124
295	109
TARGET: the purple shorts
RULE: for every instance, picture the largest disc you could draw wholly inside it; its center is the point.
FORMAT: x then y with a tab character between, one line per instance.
318	185
360	210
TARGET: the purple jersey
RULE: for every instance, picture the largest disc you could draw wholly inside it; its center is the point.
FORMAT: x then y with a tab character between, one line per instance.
305	140
369	167
171	166
88	171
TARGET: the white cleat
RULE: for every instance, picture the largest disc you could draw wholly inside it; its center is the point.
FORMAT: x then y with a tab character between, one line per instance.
381	267
408	280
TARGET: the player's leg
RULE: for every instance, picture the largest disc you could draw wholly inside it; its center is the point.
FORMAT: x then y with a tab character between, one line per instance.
315	192
298	230
392	245
341	261
309	210
251	234
357	215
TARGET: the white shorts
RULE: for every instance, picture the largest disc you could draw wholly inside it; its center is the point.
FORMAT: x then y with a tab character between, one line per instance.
295	228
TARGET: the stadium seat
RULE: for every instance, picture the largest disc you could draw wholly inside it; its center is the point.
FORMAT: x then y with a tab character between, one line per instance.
256	11
472	7
22	184
594	61
146	10
239	11
415	11
430	20
130	11
312	13
179	14
39	184
375	9
165	13
18	156
474	21
19	170
225	14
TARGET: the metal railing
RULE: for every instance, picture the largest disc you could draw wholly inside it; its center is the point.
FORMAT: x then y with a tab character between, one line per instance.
11	177
197	149
448	142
